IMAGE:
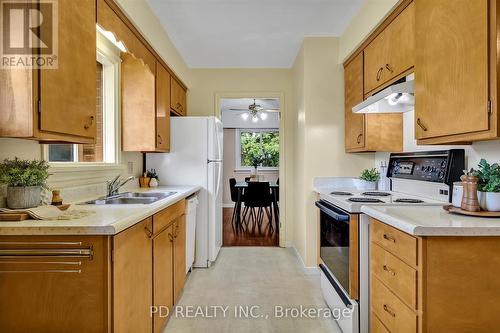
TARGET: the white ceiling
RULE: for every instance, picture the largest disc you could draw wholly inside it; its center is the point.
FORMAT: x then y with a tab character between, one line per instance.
249	33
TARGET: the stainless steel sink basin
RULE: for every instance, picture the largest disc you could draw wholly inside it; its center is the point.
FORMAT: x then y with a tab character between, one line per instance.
132	198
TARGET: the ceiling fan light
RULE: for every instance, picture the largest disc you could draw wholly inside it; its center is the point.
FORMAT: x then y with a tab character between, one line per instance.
244	116
255	119
263	115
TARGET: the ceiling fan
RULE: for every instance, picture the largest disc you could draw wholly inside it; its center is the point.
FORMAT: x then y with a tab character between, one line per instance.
255	111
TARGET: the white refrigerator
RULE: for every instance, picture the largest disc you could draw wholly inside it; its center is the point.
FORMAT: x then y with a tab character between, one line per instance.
195	158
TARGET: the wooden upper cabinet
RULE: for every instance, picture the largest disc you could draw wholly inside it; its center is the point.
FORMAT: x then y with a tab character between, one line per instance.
391	54
452	78
162	108
178	98
354	123
56	104
138	105
132	278
367	132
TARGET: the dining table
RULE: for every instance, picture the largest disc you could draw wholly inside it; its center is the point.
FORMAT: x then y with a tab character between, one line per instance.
241	186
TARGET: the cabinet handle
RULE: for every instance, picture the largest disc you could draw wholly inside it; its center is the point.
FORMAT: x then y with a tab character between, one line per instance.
148	232
160	139
389	238
89	123
389	68
358	140
422	126
170	237
389	270
379	73
389	310
176	232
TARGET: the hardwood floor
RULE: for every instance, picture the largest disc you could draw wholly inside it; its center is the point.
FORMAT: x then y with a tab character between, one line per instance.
250	237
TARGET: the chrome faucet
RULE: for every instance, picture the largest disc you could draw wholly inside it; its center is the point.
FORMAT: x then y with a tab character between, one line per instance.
117	183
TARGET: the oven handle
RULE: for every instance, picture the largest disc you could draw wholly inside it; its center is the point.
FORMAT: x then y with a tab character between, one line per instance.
331	213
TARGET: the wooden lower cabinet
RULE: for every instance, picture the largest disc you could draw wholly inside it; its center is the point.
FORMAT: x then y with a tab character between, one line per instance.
454	286
59	284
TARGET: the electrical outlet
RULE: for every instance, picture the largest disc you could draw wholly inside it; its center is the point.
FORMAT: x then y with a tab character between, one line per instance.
130	168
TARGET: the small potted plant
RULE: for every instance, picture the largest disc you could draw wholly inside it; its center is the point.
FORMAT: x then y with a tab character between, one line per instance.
369	178
25	180
154	179
488	185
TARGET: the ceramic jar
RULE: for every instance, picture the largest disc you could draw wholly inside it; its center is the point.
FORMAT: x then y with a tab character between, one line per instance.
23	197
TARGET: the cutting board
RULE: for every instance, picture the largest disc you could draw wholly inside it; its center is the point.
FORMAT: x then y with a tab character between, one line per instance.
13	216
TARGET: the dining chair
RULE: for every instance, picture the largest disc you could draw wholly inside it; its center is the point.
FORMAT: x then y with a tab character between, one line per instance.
258	201
247	179
234	199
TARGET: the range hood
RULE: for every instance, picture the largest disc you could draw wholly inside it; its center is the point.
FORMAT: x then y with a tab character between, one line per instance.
397	98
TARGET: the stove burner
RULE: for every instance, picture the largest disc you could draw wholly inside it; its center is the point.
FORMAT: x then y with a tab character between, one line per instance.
376	194
340	193
404	200
367	200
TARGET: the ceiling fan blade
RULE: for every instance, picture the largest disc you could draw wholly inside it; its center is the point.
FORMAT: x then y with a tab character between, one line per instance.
271	110
239	109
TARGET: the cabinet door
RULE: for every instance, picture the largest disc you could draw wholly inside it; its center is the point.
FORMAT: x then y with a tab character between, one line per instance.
400	37
68	94
354	123
451	82
163	280
132	278
138	105
162	108
179	256
375	61
178	98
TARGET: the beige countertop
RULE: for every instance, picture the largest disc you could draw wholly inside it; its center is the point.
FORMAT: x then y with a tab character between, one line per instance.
433	221
107	220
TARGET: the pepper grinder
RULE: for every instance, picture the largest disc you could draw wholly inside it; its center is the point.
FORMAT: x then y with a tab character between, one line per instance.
56	198
469	199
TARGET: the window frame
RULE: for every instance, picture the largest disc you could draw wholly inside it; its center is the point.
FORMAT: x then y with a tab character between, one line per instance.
237	145
109	56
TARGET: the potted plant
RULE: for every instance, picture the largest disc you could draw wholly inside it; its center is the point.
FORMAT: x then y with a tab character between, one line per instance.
488	185
369	178
25	180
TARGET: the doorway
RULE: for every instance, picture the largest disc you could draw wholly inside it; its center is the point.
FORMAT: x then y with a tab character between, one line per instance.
251	209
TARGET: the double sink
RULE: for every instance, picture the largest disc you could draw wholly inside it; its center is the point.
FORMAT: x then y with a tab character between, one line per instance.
132	198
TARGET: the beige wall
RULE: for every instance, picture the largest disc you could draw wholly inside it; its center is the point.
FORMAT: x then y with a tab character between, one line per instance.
230	166
319	137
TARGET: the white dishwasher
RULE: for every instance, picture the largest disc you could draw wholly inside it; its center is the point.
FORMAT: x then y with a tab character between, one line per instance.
192	205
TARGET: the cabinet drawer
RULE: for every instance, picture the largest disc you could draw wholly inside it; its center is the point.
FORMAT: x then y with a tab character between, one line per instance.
376	325
398	276
397	242
393	313
167	216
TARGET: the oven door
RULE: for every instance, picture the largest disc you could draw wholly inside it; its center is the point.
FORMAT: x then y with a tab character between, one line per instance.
334	253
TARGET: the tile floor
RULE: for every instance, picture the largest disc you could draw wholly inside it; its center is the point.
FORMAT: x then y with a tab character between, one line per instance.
250	276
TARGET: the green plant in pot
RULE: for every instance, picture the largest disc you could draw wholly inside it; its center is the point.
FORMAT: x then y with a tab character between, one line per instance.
488	185
25	180
257	160
370	177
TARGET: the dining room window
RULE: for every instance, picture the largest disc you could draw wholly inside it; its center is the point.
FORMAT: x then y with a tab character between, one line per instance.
261	147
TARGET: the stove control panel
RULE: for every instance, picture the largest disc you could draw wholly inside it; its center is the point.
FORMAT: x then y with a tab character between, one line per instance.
433	166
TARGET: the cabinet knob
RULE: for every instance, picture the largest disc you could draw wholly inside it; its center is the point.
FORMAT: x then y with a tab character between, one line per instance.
170	237
422	126
160	139
379	73
389	270
148	232
389	68
358	140
89	123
